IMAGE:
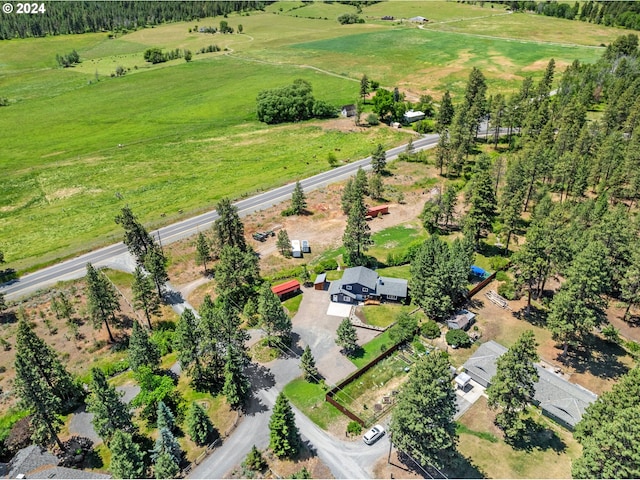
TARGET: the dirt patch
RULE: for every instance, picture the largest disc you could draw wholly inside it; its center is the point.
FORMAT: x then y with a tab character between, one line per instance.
63	193
394	468
541	65
342	124
596	367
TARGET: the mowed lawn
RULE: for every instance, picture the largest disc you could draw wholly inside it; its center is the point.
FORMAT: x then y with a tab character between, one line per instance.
550	458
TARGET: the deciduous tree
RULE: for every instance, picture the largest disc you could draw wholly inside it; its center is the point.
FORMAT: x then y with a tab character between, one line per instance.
422	422
284	436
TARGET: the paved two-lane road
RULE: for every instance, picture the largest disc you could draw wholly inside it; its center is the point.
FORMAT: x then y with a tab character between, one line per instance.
75	267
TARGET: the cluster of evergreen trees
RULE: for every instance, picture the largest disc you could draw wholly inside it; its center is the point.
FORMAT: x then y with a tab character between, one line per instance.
616	14
291	103
90	16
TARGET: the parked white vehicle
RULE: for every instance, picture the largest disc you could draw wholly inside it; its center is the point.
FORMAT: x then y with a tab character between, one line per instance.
373	435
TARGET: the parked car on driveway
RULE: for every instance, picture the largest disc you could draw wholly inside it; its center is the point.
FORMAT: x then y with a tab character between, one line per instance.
373	435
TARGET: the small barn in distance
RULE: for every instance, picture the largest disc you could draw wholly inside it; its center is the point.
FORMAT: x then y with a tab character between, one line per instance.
418	19
348	110
286	289
411	116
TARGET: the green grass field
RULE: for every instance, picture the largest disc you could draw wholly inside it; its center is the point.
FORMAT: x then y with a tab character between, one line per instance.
188	131
309	398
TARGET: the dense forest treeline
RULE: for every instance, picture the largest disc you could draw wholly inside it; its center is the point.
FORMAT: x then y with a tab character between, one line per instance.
613	14
82	17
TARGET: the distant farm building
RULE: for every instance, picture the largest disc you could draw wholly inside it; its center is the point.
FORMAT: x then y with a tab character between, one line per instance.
387	17
563	401
348	111
286	289
379	210
413	116
418	19
360	283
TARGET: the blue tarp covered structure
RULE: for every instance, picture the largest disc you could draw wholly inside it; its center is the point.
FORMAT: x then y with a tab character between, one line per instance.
479	272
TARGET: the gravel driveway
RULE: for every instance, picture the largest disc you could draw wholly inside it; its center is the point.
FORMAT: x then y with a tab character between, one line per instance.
318	330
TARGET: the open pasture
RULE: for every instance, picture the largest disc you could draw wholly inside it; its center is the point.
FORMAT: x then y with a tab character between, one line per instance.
188	131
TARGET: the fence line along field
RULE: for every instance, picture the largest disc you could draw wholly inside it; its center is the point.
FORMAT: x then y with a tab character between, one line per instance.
78	144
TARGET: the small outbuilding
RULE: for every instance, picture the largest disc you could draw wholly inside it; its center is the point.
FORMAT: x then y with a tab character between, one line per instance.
462	381
286	289
348	110
461	320
296	249
305	246
320	282
411	116
379	210
418	19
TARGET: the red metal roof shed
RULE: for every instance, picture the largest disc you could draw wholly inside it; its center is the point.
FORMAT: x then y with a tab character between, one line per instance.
287	287
374	211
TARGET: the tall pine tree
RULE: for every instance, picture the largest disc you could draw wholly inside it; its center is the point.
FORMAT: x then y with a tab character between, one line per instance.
145	297
110	413
102	300
142	350
284	436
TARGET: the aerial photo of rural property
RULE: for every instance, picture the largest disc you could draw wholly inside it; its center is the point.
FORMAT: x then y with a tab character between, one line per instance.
319	239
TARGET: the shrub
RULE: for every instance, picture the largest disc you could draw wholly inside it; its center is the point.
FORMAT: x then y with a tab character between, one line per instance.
633	348
507	290
498	263
254	460
325	266
502	276
611	333
349	18
354	428
372	119
430	329
458	338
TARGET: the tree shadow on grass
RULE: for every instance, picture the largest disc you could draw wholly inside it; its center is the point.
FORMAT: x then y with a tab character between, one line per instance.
598	357
462	467
535	436
535	316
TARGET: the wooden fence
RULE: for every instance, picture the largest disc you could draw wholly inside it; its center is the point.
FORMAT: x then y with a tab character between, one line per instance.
354	376
481	285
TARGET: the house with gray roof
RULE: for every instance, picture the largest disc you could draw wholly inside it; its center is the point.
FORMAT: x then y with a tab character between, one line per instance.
36	462
360	283
560	400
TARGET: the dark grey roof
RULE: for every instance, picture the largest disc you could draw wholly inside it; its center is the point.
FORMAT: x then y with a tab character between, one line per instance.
36	462
321	278
29	459
564	400
70	473
334	287
362	275
392	286
462	318
483	362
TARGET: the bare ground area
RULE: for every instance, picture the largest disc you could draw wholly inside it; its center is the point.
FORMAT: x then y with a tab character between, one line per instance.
596	367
